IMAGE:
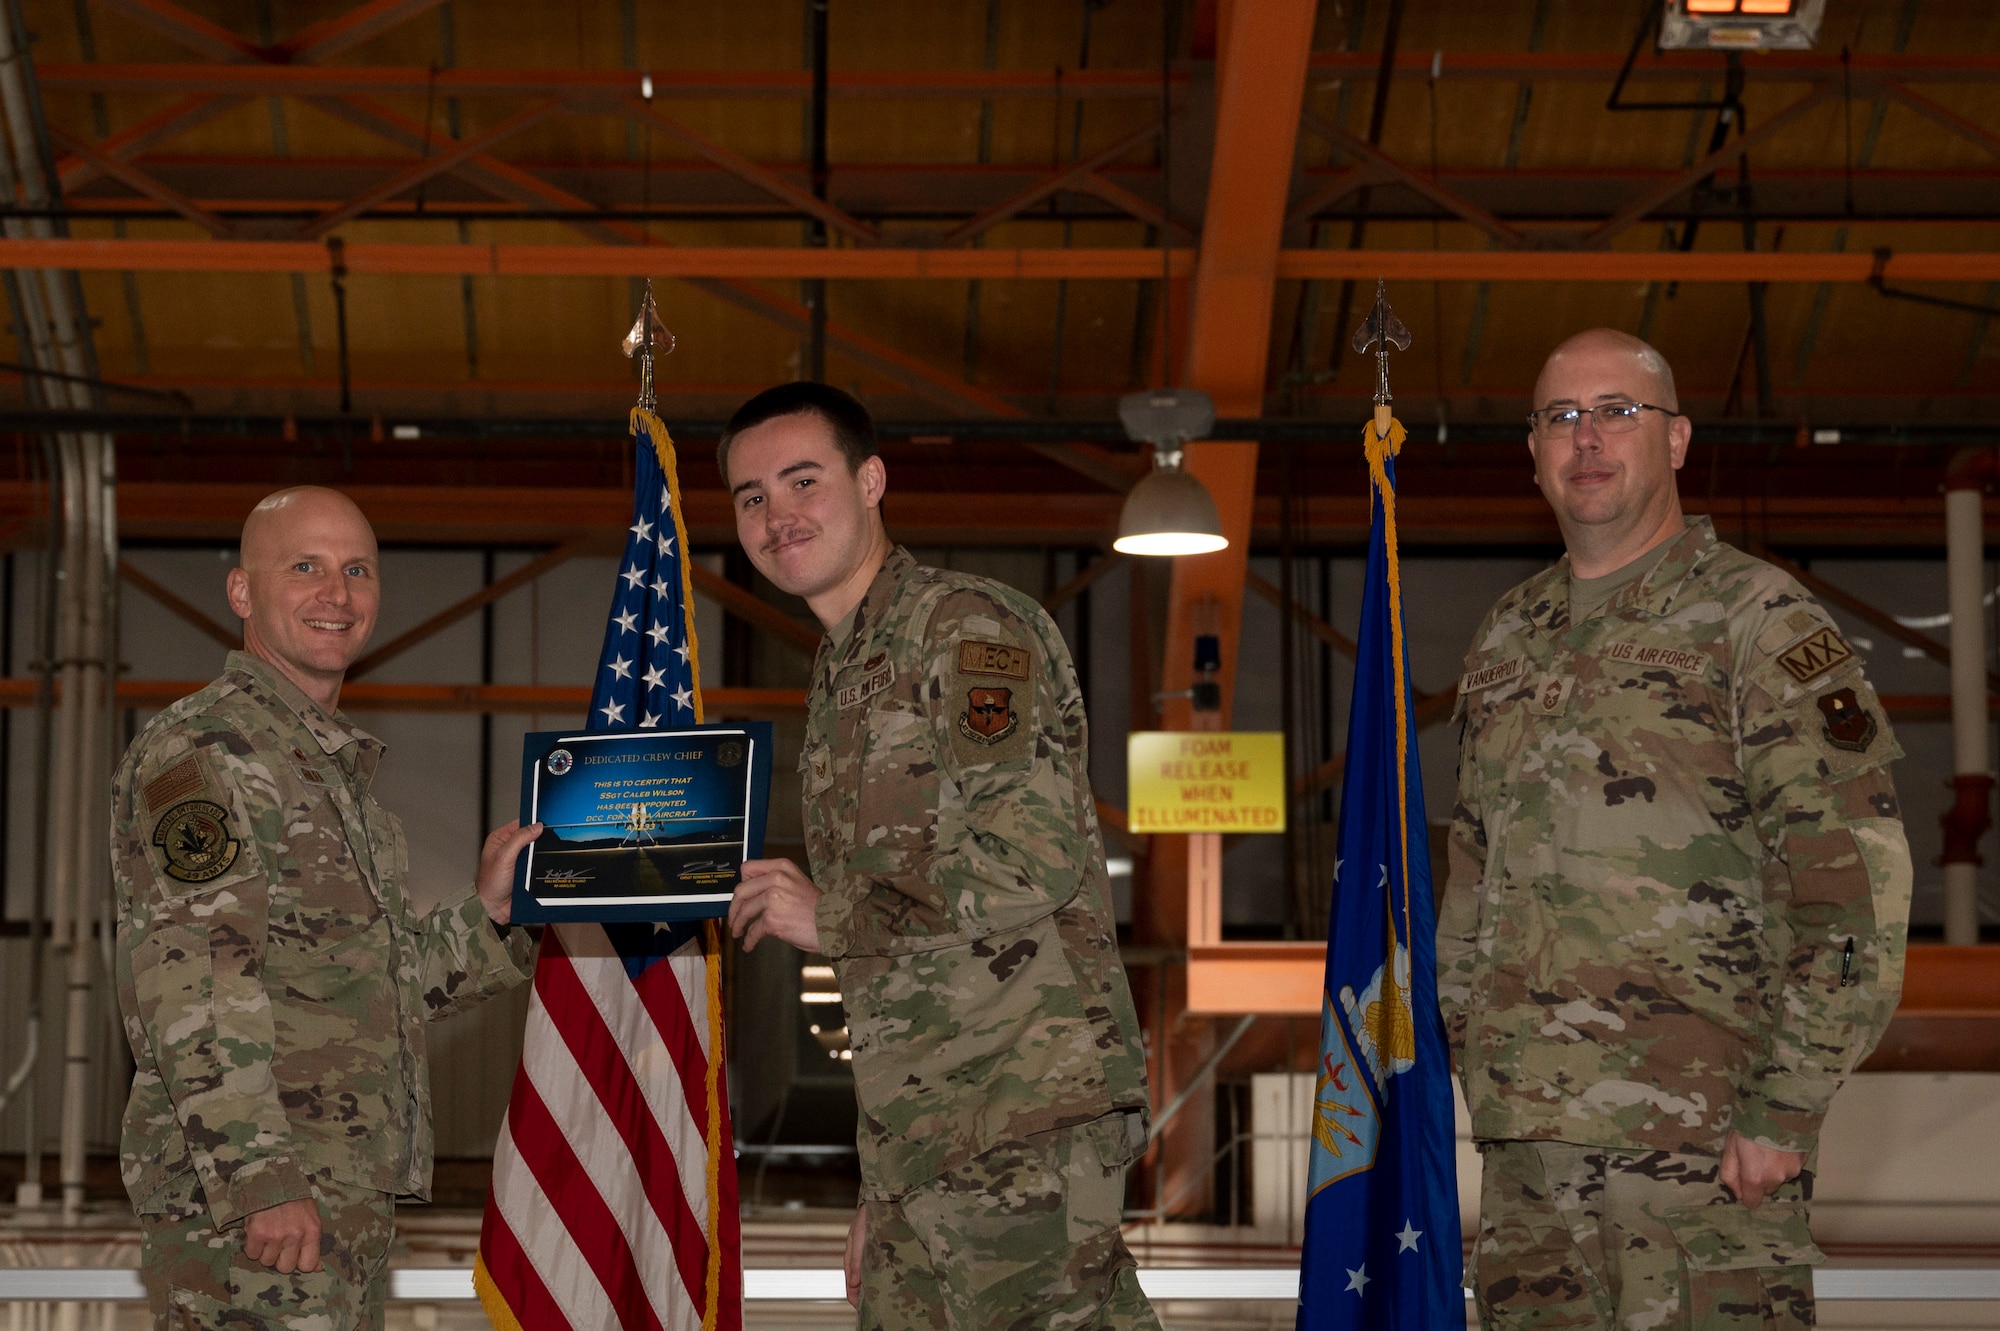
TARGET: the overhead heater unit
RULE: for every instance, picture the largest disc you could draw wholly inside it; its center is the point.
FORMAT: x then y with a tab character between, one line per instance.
1740	25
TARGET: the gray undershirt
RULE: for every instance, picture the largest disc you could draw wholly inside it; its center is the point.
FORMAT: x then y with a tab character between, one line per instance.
1587	596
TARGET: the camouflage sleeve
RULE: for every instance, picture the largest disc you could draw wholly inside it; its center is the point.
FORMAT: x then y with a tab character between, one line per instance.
1816	753
1458	908
996	749
465	959
201	870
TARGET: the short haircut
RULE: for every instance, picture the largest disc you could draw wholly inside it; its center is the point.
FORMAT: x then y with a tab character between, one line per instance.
853	428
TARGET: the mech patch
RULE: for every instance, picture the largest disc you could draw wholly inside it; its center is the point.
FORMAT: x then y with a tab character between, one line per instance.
1472	681
1815	654
878	674
1849	725
978	657
989	715
178	782
195	838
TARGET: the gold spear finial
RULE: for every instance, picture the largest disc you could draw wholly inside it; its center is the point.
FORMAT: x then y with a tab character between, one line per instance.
1381	330
648	332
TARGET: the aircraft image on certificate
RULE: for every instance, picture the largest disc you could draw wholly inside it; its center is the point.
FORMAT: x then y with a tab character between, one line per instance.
641	825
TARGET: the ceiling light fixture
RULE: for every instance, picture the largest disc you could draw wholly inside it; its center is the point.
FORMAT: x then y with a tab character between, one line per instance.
1168	512
1740	25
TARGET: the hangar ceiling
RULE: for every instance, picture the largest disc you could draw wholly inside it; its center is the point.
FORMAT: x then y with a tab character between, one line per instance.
485	184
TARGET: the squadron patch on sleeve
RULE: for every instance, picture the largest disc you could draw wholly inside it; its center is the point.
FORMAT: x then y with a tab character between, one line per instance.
989	715
1849	725
1813	655
978	657
194	837
178	782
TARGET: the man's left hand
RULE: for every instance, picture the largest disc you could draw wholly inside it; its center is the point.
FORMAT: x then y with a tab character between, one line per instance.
1754	1172
775	900
496	868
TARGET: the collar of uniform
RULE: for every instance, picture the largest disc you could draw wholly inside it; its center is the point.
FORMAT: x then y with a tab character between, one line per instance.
331	733
1656	591
850	633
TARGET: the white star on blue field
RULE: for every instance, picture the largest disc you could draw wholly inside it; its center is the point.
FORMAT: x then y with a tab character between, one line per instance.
645	675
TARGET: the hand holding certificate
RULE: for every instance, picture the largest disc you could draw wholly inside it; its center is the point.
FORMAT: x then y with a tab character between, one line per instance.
641	825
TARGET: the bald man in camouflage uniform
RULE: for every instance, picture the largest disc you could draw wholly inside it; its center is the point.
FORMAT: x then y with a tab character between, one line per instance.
273	974
1678	891
958	887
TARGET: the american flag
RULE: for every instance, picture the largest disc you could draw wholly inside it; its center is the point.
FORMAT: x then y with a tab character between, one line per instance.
613	1205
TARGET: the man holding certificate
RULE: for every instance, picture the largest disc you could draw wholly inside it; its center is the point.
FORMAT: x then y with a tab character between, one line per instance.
958	887
273	974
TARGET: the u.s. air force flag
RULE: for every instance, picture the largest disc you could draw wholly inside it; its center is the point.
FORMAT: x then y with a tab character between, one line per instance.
1381	1234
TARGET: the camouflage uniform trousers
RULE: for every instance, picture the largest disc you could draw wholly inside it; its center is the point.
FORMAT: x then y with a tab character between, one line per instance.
1581	1236
199	1280
1024	1236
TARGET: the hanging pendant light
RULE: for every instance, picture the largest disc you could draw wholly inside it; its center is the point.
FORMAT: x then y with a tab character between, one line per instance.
1168	512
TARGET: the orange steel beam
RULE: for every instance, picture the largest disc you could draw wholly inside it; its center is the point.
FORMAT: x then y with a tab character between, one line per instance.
125	173
1676	66
194	32
1260	77
1288	979
747	263
179	607
362	696
296	80
168	123
1970	130
1070	177
485	596
447	158
753	609
1386	167
343	32
736	164
1654	195
982	85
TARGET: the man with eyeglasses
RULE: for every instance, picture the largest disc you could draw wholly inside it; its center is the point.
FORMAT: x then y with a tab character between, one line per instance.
1678	891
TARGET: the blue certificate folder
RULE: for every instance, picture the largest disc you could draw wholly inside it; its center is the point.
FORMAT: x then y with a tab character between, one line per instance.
641	825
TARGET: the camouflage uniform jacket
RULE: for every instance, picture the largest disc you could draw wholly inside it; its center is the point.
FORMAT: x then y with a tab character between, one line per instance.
1679	887
273	977
965	906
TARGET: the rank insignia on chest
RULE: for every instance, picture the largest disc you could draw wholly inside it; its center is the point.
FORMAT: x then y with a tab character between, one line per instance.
989	716
194	837
1552	693
978	657
1848	724
1815	654
309	771
878	673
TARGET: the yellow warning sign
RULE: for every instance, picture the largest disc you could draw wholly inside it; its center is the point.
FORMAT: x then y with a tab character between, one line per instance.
1193	781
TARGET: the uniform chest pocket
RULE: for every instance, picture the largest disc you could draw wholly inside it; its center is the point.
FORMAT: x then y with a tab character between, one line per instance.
898	799
325	895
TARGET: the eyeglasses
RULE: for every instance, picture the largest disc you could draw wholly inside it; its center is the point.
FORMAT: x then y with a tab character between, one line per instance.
1609	417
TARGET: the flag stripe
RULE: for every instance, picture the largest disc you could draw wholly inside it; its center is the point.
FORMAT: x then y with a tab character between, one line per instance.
676	1096
553	1253
572	1189
526	1302
608	1107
